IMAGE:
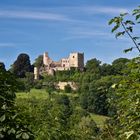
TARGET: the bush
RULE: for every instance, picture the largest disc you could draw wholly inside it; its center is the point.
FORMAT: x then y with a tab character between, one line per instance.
38	84
68	89
11	124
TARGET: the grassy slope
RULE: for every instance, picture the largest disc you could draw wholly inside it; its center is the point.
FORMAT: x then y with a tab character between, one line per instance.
34	93
42	94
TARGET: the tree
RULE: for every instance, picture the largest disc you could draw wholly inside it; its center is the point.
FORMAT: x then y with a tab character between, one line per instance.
66	109
119	64
11	125
95	99
2	66
38	61
93	65
86	129
21	65
125	123
107	69
25	84
29	80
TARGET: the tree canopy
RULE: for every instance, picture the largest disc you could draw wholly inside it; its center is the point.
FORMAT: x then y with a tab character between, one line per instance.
21	65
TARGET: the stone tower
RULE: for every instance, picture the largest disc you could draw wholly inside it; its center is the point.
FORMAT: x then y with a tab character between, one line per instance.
36	73
46	60
76	60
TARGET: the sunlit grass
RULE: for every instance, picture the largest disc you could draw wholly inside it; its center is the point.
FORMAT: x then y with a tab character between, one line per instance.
34	93
99	119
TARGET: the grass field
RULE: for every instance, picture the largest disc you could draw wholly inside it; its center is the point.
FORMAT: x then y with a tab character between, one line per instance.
42	94
34	93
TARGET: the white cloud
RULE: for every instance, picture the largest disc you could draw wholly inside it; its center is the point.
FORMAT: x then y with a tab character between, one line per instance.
3	45
89	33
92	9
38	14
86	34
105	10
32	15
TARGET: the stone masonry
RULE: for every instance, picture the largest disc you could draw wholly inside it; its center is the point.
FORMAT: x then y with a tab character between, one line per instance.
75	60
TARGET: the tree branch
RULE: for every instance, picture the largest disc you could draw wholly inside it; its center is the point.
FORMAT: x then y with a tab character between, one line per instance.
130	36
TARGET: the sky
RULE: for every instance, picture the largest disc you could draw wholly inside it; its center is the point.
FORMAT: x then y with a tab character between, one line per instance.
60	27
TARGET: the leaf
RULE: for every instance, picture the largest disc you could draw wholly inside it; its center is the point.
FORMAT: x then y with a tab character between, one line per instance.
137	16
13	131
128	50
18	135
129	22
111	21
4	107
2	118
136	11
25	136
130	28
114	86
136	38
123	14
13	117
129	134
120	33
115	28
118	20
1	136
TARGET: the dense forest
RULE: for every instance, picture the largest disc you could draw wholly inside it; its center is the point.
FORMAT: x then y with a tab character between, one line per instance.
108	90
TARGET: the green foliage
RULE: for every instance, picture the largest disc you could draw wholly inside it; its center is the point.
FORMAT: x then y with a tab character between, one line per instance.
119	65
11	126
7	86
124	26
112	90
125	123
86	129
95	99
136	13
107	69
38	61
67	75
25	84
2	66
128	104
68	89
56	117
21	66
93	66
38	84
95	85
44	117
50	87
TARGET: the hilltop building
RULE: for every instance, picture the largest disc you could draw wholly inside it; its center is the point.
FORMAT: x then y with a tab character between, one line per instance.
75	60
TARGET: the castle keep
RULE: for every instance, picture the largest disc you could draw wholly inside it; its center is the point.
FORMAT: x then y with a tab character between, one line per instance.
75	60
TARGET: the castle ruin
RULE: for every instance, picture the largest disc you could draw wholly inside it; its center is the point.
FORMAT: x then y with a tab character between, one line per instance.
75	60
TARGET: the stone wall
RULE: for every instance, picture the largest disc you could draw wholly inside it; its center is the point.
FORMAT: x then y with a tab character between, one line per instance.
61	85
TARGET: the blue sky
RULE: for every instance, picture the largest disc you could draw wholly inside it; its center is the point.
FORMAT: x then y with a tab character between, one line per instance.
61	27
